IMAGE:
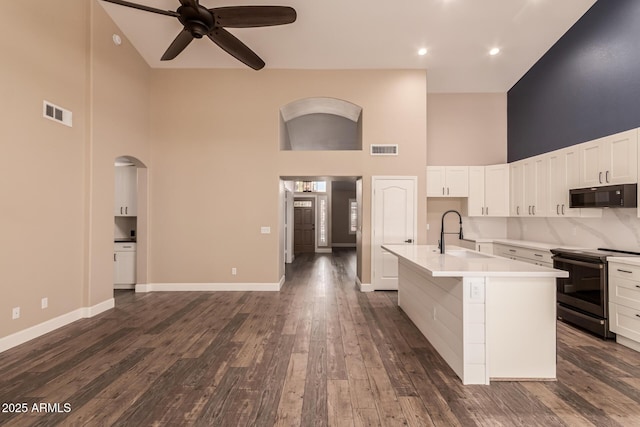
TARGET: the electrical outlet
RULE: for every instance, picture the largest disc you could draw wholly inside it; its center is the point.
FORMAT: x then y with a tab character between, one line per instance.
44	302
15	314
234	271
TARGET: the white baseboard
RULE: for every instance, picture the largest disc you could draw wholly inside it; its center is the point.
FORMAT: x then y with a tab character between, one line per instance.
40	329
209	287
282	280
343	245
124	287
323	250
364	287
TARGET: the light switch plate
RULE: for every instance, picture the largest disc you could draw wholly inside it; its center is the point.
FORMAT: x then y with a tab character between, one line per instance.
265	230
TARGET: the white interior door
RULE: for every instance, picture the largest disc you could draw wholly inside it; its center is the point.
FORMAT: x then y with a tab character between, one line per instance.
394	214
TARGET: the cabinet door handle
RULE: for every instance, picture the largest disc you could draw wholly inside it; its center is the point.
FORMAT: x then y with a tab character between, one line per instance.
512	250
126	210
487	210
447	191
534	209
443	191
624	271
563	209
638	286
114	257
557	209
120	210
538	255
606	176
600	177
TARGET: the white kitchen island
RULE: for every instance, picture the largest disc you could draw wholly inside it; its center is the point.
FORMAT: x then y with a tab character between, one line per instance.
490	318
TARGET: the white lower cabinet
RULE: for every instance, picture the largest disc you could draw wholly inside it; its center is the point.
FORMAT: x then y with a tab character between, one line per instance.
624	302
124	263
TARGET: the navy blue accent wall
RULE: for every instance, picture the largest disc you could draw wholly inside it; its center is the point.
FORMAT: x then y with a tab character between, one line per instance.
585	87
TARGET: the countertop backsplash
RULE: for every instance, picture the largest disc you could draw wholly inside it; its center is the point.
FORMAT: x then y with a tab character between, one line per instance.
616	229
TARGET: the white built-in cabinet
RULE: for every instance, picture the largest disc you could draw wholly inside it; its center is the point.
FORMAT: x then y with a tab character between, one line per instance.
488	191
624	302
126	184
563	172
539	186
447	181
124	263
610	160
528	182
535	186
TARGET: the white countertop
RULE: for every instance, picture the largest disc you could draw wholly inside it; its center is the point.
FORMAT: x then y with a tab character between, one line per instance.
467	263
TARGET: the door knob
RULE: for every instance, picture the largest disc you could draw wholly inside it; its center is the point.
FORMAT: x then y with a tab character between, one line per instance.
409	241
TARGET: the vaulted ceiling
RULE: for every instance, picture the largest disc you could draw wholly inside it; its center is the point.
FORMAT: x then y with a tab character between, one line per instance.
375	34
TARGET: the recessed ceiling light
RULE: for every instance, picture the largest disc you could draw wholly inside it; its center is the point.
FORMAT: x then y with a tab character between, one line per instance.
494	51
117	40
422	51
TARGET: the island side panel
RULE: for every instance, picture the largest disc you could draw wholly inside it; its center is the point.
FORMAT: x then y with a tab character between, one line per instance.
521	328
434	305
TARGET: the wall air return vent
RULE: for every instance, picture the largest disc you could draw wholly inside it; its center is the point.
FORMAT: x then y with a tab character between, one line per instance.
384	149
57	114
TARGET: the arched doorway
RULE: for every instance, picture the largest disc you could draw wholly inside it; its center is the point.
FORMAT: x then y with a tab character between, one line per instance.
130	223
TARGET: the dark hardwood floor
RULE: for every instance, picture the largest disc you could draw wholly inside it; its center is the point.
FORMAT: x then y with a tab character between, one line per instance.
317	353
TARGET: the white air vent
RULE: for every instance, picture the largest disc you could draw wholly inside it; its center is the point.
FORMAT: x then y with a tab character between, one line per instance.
384	149
57	114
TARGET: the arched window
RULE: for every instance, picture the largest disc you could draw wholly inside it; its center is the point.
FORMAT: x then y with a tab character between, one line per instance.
320	124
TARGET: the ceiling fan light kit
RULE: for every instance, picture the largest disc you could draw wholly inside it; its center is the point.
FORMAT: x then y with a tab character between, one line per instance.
198	22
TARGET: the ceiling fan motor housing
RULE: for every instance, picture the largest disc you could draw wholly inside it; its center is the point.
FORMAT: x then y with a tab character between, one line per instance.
198	21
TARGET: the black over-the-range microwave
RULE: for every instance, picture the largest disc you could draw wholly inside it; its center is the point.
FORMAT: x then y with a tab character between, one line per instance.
608	196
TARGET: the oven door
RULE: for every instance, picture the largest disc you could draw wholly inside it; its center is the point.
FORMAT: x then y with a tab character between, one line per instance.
585	288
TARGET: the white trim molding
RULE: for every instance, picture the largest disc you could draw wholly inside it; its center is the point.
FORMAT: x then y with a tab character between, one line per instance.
209	287
40	329
364	287
343	245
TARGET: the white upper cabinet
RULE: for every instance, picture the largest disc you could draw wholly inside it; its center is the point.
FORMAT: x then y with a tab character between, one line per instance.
535	186
516	189
488	190
563	172
447	181
126	191
610	160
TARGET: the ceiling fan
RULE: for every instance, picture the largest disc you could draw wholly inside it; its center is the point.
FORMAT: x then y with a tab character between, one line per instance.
198	21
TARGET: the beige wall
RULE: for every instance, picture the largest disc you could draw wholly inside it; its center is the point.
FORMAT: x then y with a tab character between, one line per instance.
42	204
119	103
216	162
464	129
467	129
56	182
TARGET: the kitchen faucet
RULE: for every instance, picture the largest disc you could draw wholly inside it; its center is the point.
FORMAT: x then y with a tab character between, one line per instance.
442	233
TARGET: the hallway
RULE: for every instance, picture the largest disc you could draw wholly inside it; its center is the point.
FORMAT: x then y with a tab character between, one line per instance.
317	353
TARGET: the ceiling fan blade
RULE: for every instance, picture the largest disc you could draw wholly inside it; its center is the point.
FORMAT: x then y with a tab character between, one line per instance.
143	7
234	47
179	43
253	16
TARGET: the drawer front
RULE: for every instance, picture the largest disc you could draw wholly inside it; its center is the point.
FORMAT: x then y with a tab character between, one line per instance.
624	271
506	251
625	321
538	256
125	246
531	256
625	292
